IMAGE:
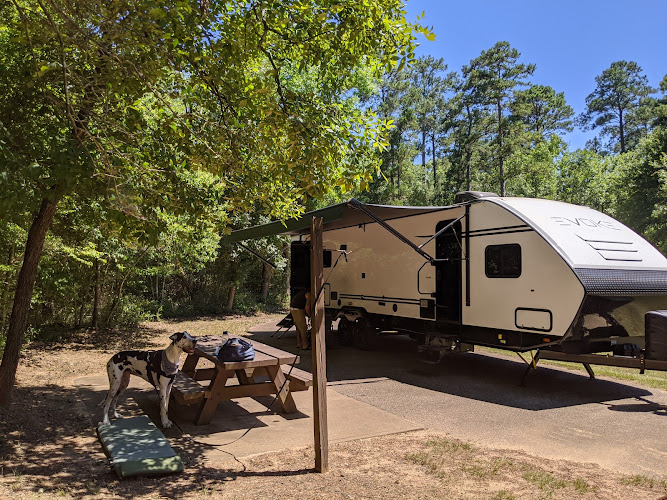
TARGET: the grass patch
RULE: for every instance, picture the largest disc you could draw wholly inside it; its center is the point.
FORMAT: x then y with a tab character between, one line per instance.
543	480
450	458
444	455
582	486
640	480
449	446
650	378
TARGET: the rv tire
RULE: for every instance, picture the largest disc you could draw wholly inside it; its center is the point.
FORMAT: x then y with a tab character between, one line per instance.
345	331
365	336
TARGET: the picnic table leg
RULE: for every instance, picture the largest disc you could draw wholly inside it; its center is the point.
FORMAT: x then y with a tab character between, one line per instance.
208	405
284	396
244	377
190	364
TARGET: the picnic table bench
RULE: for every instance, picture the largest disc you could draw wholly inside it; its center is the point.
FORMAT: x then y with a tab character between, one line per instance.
271	372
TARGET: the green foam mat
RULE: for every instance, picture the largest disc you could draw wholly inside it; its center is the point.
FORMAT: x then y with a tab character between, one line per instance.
137	447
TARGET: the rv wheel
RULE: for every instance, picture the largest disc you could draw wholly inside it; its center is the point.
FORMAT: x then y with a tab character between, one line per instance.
365	335
345	331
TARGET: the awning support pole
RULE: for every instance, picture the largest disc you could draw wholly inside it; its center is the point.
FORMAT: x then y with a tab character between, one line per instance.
360	206
441	231
263	259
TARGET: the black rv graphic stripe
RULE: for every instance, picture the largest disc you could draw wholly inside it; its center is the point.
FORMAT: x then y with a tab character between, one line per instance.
489	232
374	298
526	230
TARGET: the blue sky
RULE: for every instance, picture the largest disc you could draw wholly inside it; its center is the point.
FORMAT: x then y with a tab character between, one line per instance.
571	42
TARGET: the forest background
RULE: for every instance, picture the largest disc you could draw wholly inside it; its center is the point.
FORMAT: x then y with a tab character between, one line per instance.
147	178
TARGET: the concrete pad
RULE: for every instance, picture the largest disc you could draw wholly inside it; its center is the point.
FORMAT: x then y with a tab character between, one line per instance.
348	419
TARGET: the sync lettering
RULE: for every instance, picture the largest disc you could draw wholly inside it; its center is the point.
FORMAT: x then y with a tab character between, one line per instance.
579	221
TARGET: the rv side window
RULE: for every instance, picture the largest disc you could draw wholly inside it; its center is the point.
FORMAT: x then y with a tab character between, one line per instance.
503	261
326	258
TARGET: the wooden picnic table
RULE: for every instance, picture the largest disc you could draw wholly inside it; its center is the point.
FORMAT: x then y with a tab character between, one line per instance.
271	372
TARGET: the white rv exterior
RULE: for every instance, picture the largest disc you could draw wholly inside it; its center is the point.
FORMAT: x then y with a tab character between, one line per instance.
519	271
516	273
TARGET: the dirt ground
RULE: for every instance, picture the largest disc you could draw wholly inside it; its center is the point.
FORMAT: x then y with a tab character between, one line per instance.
48	448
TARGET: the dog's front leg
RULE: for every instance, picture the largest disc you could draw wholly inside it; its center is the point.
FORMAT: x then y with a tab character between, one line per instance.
165	389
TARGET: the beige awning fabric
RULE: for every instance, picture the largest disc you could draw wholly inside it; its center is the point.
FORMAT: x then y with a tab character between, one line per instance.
349	213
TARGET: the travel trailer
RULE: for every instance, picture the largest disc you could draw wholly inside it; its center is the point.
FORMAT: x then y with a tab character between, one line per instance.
515	273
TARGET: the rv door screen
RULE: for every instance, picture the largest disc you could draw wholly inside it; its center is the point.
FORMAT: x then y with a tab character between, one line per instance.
448	272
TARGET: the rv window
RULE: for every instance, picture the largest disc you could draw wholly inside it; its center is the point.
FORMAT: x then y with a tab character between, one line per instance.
326	258
503	261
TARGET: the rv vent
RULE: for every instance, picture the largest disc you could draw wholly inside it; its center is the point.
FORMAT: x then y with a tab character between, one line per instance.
465	196
615	250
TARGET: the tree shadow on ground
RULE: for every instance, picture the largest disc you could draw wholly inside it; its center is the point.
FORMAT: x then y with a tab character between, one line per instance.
50	445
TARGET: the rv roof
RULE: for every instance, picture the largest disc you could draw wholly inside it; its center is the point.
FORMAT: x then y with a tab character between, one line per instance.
334	217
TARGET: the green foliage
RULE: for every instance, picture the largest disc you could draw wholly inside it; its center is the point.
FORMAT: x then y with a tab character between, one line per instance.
159	129
542	110
152	125
614	106
641	187
584	178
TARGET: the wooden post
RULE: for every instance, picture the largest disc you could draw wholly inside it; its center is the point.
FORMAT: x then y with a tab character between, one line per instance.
319	349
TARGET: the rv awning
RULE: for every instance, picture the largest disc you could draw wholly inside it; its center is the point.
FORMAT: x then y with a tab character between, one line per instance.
350	213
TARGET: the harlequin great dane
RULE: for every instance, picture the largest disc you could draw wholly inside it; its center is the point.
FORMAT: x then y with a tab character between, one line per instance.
157	367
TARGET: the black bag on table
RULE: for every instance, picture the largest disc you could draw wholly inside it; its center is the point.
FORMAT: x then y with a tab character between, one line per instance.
236	349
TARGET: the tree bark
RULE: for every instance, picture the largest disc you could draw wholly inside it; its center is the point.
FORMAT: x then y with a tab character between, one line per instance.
501	159
230	299
119	294
18	321
424	158
266	280
96	301
469	150
620	130
435	171
6	289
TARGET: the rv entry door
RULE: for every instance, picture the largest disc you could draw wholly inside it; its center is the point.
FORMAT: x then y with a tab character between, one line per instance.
300	267
448	273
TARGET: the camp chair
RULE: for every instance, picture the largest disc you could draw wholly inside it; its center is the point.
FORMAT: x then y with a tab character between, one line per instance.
287	322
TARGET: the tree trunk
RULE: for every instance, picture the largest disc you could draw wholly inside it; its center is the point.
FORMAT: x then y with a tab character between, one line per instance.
468	169
398	178
96	300
266	280
164	284
435	172
118	295
620	130
424	157
469	150
391	162
230	299
501	159
79	319
6	289
18	321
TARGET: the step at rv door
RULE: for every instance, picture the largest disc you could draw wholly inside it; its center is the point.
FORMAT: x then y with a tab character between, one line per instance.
448	273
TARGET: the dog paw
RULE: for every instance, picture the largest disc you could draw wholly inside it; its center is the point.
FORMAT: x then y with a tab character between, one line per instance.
116	415
103	423
167	424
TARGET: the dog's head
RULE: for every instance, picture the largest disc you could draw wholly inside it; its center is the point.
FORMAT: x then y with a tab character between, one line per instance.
184	341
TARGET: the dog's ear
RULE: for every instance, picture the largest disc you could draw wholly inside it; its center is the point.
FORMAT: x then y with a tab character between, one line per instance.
176	336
